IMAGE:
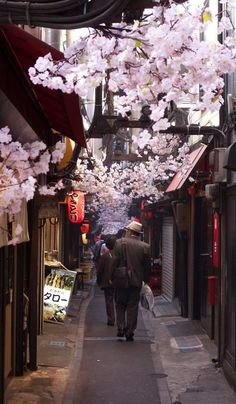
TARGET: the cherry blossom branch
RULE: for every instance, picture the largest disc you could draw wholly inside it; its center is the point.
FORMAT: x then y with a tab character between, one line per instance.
20	167
161	55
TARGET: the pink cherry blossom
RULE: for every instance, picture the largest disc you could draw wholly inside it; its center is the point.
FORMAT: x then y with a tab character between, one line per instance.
163	54
20	165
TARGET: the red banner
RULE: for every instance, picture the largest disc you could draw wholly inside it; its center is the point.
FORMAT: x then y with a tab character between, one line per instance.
216	239
75	205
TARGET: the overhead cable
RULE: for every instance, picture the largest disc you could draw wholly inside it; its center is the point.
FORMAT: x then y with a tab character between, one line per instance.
60	14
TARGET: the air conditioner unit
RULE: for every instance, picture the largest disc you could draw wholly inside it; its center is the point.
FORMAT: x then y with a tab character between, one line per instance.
216	162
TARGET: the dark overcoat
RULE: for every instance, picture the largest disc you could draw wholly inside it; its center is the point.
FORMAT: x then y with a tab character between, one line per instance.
138	259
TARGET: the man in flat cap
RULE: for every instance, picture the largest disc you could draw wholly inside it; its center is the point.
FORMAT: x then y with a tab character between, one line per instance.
135	255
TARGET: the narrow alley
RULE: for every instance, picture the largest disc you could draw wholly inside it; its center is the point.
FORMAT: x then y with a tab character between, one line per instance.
82	361
118	176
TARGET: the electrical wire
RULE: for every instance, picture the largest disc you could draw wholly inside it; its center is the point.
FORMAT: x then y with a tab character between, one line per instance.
62	14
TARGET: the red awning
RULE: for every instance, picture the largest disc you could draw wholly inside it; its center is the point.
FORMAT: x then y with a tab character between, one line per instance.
180	177
61	110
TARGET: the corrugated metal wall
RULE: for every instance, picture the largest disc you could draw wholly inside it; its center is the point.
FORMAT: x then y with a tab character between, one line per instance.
168	258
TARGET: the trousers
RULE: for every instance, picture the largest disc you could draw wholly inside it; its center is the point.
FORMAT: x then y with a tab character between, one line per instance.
127	301
110	306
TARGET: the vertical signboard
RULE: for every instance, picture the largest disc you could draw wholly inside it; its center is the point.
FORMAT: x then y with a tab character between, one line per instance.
75	204
58	288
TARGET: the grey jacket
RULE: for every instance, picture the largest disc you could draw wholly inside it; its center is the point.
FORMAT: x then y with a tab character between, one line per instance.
138	259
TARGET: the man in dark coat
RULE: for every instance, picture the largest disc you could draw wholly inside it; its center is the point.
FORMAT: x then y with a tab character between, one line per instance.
104	279
97	249
138	265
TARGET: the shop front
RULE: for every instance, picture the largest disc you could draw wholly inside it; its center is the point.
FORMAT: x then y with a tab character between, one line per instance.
14	298
228	279
31	113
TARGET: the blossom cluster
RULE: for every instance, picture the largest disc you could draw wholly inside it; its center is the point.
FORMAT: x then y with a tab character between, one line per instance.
20	166
113	219
113	189
161	55
157	61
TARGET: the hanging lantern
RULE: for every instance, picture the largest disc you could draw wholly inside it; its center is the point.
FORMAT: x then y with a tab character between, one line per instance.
191	190
148	214
84	228
75	205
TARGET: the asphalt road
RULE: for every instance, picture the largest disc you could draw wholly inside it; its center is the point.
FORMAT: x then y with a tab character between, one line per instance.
113	371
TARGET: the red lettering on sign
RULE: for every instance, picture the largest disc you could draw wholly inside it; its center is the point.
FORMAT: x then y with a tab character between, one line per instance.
75	204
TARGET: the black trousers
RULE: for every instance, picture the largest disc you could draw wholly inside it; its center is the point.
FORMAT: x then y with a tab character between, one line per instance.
127	301
110	306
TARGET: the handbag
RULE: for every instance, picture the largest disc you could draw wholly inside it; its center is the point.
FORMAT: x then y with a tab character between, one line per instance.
146	297
120	277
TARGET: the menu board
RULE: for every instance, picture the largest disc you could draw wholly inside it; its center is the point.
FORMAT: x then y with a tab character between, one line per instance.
58	288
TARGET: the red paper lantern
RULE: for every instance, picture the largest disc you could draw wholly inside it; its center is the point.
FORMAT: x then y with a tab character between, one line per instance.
148	215
84	228
75	205
192	190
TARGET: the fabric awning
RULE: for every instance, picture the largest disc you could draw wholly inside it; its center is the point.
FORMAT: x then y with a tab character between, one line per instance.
62	111
181	176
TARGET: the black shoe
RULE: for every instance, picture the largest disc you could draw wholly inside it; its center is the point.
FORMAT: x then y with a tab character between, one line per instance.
120	334
129	338
110	323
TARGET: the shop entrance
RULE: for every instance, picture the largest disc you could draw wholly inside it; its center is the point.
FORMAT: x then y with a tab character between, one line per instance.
203	264
230	287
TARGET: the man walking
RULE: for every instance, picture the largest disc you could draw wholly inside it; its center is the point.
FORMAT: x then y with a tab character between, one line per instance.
138	263
104	279
97	249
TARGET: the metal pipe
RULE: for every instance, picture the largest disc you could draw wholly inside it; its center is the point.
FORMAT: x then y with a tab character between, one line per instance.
197	130
101	125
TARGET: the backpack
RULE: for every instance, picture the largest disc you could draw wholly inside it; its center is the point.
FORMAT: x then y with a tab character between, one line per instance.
97	250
